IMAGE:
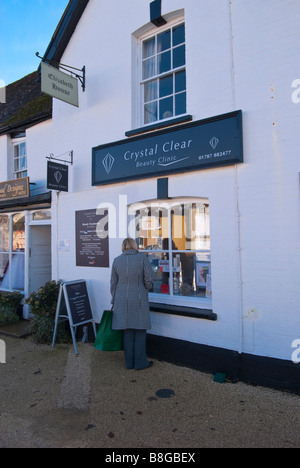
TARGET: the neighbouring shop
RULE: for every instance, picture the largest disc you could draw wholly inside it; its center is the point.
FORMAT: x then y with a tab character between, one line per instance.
25	245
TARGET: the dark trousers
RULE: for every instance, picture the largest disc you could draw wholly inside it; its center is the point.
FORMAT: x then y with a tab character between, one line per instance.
135	349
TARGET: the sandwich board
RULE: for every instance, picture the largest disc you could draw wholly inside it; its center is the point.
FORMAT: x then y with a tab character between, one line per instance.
73	305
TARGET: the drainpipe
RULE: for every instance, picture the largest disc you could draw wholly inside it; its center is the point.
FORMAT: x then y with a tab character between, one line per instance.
238	215
239	263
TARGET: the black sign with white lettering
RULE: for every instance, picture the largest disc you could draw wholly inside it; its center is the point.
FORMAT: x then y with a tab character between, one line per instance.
57	177
78	300
92	246
211	142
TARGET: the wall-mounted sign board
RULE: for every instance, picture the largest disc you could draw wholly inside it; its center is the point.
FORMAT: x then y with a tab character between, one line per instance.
216	141
92	242
13	189
73	305
59	85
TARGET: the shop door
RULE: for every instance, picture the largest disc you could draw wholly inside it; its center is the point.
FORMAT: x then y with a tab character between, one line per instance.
39	257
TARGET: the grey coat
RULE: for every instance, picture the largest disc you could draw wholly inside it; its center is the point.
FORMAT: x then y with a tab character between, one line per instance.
131	278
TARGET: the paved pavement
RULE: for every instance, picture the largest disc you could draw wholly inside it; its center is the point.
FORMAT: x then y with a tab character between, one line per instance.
49	398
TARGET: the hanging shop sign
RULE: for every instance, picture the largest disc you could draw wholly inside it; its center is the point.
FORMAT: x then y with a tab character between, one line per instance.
92	247
14	189
216	141
59	85
57	176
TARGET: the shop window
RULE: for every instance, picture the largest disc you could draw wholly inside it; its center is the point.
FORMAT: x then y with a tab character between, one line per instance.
176	238
12	251
163	74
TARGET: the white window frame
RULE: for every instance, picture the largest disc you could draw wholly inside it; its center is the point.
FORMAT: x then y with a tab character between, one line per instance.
17	142
146	32
11	252
170	299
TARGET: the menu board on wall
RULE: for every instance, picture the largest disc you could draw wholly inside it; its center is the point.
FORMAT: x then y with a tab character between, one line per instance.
92	243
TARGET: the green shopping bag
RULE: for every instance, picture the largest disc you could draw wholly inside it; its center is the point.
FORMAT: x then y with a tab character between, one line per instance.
108	339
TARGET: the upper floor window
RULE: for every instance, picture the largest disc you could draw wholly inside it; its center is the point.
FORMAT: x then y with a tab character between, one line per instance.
20	160
163	74
19	167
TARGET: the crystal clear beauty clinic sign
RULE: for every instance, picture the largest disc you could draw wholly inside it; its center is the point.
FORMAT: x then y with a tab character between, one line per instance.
59	85
197	145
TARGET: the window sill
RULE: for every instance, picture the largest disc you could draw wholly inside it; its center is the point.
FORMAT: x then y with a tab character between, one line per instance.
159	125
183	311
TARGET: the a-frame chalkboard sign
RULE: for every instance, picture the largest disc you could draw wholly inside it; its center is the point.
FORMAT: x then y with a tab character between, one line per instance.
74	305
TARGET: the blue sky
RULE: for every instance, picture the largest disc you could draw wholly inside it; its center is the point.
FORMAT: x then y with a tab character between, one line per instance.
26	27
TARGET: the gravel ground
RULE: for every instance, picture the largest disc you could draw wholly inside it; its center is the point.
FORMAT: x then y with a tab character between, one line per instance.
49	398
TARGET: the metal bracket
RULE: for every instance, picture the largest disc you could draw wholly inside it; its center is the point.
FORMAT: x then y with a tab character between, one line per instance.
68	69
70	153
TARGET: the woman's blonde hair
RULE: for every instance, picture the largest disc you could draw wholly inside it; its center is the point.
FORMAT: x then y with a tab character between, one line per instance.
129	244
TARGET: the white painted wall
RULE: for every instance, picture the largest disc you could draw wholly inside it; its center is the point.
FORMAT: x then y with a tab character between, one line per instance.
39	143
4	142
241	54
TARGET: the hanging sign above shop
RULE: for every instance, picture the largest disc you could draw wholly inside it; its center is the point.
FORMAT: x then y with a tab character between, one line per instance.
13	189
57	176
59	85
205	143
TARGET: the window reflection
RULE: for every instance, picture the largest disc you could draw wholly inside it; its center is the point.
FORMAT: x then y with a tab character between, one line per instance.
4	233
4	262
185	253
18	232
12	251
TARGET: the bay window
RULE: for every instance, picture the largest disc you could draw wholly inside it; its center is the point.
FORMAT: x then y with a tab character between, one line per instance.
176	237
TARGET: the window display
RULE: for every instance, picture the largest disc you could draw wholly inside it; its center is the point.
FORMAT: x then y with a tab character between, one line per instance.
12	251
176	238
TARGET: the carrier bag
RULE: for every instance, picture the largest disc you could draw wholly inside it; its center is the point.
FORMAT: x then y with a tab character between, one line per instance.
106	338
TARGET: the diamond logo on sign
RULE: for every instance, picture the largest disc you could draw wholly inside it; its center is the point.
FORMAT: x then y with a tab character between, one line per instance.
58	176
108	162
214	142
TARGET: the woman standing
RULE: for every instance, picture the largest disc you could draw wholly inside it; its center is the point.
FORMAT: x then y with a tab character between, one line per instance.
131	279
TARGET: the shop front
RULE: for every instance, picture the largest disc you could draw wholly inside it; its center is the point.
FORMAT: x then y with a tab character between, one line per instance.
173	231
25	243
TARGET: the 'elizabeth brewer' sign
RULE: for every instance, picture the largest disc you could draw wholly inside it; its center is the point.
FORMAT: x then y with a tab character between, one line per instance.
216	141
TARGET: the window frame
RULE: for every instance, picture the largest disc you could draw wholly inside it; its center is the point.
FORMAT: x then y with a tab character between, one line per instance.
20	173
156	78
173	19
192	305
11	252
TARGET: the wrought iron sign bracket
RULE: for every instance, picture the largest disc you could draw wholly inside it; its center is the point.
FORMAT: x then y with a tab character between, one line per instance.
70	153
68	69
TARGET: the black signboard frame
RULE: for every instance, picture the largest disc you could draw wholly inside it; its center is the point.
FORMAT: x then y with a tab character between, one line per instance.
57	177
211	142
73	305
92	247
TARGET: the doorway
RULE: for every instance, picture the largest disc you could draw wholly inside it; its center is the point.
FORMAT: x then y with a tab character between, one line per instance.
39	256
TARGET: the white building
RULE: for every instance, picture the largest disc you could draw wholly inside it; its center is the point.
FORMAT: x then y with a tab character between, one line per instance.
186	133
25	201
